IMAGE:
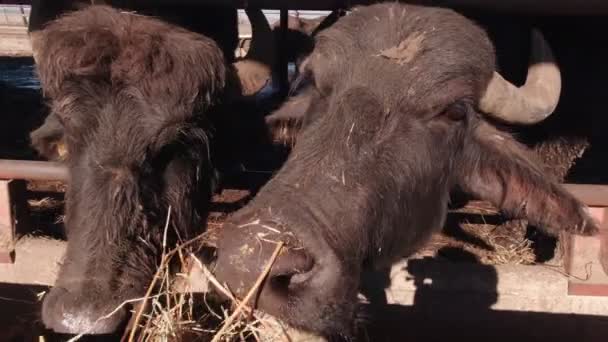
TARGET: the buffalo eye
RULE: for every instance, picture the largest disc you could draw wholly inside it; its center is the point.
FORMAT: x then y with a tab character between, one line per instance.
456	111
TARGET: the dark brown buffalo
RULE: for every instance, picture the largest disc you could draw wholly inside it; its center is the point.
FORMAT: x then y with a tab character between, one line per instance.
143	107
393	122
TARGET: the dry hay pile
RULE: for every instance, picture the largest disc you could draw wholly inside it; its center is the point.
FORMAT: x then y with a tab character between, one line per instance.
479	230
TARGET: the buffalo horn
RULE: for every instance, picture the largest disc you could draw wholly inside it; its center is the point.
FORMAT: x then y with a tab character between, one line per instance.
536	99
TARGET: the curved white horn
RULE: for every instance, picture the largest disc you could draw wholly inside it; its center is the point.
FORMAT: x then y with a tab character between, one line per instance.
536	99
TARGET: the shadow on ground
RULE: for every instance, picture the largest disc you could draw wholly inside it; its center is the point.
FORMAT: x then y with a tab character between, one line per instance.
439	315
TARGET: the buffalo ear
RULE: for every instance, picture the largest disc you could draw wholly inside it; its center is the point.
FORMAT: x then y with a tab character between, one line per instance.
496	168
286	121
48	140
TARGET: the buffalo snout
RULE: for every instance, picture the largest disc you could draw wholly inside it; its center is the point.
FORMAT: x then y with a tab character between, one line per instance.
306	274
70	311
245	252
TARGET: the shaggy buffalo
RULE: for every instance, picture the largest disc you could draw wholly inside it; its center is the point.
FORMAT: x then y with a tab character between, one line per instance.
394	120
143	107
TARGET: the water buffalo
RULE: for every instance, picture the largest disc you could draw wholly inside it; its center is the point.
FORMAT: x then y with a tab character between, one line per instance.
394	120
143	107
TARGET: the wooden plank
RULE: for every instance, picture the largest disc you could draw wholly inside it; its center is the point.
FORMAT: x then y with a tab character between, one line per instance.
13	216
591	194
14	41
7	225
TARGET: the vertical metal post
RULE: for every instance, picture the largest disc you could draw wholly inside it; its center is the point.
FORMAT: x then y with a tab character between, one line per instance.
282	54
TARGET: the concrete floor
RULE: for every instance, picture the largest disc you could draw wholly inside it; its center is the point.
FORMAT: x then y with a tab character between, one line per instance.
425	300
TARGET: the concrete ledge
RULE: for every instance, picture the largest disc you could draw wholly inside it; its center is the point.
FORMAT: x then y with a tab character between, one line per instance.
37	262
506	287
424	290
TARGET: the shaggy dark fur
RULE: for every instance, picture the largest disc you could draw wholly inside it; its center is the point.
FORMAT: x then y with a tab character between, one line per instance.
137	100
216	22
392	127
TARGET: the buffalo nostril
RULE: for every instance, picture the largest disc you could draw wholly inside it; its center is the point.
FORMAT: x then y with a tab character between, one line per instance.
245	250
282	283
293	267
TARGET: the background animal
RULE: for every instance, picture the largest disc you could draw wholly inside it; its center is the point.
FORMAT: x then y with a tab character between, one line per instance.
394	119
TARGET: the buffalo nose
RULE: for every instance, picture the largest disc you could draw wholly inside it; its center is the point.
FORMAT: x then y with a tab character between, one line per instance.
291	268
244	252
65	312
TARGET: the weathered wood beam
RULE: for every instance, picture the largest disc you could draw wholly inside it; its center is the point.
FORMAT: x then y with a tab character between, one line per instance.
14	42
593	195
13	212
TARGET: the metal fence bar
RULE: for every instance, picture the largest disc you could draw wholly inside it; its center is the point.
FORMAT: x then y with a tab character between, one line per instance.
33	170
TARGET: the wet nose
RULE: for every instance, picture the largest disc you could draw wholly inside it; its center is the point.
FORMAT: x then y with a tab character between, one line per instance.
245	251
68	312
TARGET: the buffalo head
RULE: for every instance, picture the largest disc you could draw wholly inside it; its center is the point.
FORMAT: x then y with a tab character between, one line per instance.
136	101
392	120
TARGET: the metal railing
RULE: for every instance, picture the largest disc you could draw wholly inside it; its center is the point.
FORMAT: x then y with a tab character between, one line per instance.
33	170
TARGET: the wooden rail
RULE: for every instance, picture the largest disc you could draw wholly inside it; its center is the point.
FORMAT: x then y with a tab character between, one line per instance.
590	194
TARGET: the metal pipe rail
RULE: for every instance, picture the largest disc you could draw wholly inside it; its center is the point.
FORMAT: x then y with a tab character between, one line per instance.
590	194
33	170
